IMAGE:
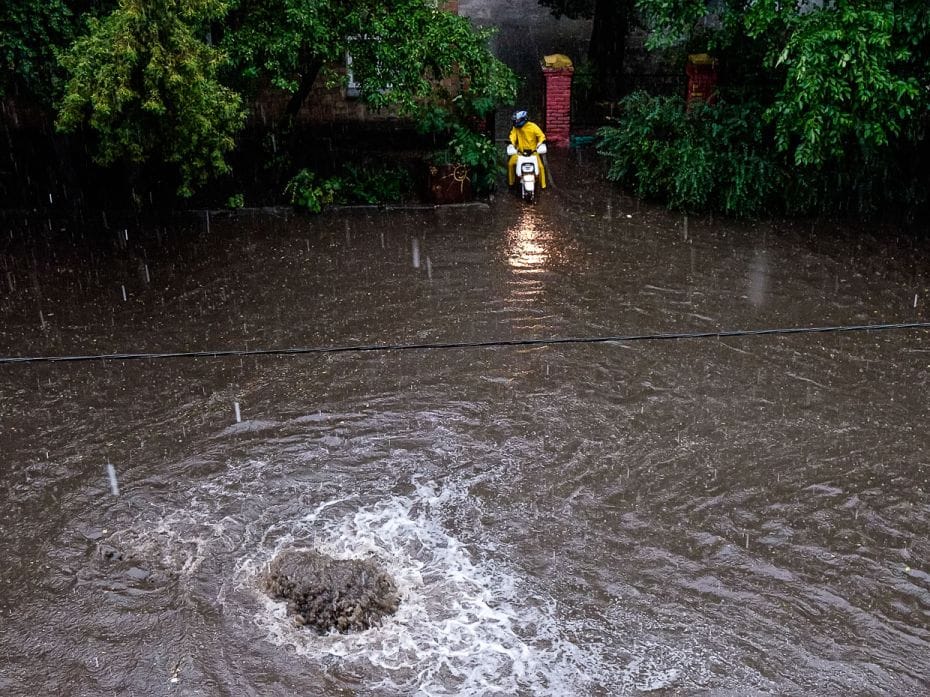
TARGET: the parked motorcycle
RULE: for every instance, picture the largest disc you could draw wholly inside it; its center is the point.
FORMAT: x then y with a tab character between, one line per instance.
527	166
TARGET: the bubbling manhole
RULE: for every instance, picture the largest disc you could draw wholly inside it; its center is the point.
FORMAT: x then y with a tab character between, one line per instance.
346	595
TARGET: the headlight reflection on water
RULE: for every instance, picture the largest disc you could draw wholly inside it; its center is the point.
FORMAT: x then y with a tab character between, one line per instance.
528	242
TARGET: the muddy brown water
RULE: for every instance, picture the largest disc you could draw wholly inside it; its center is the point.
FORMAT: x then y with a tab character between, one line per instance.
724	517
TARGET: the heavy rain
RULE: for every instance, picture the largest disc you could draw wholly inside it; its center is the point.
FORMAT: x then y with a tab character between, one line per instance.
729	514
265	432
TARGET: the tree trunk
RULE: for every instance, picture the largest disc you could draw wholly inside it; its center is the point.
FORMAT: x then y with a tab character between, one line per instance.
608	45
303	90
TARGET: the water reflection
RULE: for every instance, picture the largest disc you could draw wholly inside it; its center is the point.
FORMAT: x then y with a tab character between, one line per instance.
758	278
528	241
657	518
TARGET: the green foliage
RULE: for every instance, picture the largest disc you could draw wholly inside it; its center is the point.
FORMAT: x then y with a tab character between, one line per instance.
708	158
374	183
479	153
446	79
368	182
152	87
146	82
306	191
32	33
851	74
416	57
236	201
842	84
583	79
285	40
30	30
671	22
406	55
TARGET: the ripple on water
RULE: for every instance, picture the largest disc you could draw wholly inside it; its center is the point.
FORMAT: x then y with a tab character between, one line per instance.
469	622
465	626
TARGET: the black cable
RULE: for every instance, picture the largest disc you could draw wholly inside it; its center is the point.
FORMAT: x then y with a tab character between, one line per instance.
465	344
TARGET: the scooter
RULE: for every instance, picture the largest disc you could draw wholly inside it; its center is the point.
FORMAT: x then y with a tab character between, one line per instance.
527	170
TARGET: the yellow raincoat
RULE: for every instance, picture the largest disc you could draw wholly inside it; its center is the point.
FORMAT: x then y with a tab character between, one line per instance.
527	137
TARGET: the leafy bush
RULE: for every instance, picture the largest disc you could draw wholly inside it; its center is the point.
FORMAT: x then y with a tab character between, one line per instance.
478	152
705	158
842	88
306	191
376	183
364	182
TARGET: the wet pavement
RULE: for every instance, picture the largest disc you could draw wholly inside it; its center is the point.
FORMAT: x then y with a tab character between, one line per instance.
733	516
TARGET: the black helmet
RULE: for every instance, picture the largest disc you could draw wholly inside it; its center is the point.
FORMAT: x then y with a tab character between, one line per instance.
520	118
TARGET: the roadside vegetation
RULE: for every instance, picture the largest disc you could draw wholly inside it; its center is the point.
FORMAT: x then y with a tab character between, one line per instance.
171	81
822	108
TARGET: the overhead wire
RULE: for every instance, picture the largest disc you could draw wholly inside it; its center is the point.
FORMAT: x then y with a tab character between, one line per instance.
488	343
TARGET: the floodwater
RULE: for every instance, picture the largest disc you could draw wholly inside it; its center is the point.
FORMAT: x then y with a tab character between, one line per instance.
733	516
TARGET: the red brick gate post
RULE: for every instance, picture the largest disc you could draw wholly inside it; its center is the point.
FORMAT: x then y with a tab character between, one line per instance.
702	79
558	105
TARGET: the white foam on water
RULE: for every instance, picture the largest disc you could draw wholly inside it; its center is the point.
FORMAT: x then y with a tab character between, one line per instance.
468	622
176	542
464	626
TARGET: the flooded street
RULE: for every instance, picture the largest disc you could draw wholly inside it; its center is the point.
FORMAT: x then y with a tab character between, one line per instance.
738	516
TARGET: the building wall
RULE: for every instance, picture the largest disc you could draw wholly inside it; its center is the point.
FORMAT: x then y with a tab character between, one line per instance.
526	32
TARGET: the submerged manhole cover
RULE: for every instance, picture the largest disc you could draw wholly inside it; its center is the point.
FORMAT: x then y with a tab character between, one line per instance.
347	595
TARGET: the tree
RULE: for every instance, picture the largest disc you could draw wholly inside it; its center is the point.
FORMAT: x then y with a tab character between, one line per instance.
850	75
147	83
404	53
32	32
150	83
606	49
841	86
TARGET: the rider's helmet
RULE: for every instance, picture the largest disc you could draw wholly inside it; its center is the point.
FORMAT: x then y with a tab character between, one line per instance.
520	118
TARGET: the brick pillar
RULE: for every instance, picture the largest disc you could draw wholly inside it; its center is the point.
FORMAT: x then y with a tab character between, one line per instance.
702	79
450	6
558	105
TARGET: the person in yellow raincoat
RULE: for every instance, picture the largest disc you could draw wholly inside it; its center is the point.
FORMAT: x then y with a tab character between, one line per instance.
525	135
